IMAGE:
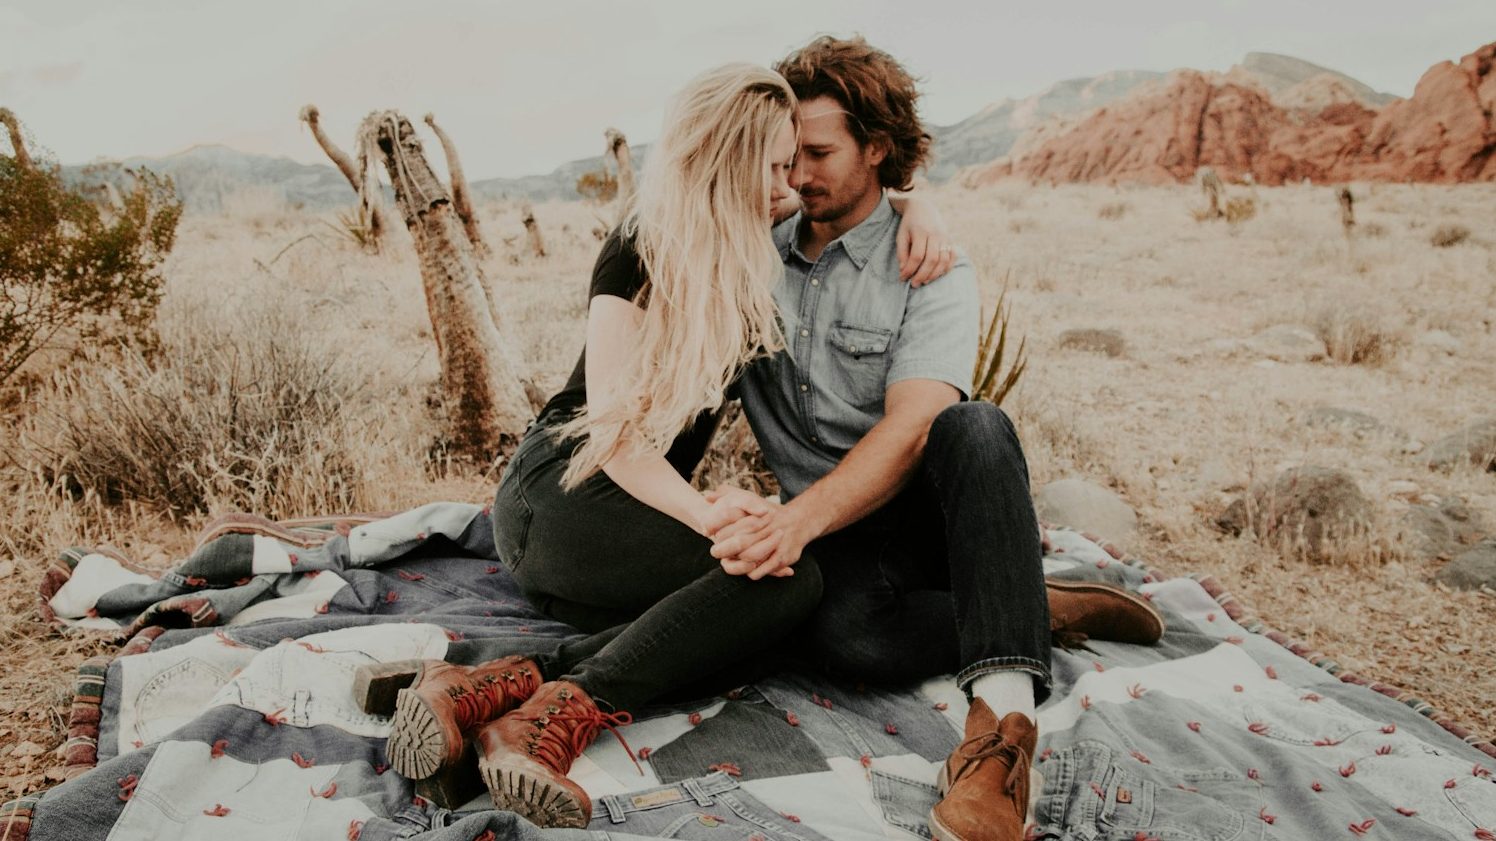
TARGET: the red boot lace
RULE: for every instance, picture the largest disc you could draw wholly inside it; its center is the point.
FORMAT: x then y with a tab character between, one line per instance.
995	746
487	697
558	747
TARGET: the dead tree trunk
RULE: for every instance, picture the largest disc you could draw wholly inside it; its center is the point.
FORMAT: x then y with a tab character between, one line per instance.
462	200
618	150
1347	210
1211	184
17	142
486	406
532	228
371	204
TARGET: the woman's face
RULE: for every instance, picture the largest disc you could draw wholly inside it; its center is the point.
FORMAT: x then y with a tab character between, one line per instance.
781	160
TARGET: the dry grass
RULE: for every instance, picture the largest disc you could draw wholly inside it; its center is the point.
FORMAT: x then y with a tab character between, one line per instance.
1178	426
1446	235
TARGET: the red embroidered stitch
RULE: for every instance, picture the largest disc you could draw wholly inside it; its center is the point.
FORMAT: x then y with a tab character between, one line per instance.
1253	774
194	581
1347	770
137	743
219	748
1325	743
1266	818
1271	672
1310	697
644	753
332	788
791	818
1236	687
1259	728
1480	771
127	786
1235	640
694	718
275	719
322	608
1363	827
1045	754
1085	702
867	761
1183	787
312	574
1390	728
410	576
301	761
731	769
1384	750
819	701
1140	835
491	569
291	556
1316	786
890	729
1103	563
942	706
355	829
315	649
1450	783
454	636
1406	812
1141	757
391	597
1099	792
1210	617
227	640
793	719
1098	666
219	810
1136	690
1485	834
486	836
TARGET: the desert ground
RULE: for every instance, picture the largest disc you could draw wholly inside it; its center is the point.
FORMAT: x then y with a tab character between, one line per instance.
270	306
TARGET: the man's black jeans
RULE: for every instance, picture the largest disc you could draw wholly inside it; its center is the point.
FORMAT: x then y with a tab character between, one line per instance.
661	612
948	577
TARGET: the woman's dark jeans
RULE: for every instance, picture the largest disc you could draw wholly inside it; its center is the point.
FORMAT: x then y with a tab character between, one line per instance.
661	612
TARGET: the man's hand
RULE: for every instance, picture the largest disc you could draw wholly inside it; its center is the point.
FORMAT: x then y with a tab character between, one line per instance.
765	544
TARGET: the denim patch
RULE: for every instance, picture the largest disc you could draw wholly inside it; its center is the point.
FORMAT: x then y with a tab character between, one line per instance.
756	739
906	803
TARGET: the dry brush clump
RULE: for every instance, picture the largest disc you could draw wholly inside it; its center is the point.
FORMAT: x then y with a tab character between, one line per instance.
239	409
1445	236
1356	335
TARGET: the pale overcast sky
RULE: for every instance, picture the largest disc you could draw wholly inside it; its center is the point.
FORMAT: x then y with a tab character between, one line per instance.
523	86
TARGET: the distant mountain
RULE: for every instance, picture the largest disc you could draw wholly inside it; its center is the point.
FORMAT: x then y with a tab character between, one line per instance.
1280	73
991	132
206	175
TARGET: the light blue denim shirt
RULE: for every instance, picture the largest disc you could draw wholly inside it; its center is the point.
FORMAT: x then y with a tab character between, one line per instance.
853	328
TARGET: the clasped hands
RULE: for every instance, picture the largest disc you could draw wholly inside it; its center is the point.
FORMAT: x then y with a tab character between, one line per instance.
754	536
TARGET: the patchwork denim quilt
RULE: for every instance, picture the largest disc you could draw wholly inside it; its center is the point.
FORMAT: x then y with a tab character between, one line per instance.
228	713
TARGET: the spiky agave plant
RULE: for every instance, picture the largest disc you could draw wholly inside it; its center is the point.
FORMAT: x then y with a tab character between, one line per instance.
991	383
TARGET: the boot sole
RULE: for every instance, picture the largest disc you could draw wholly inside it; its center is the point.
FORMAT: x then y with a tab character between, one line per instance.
1104	589
940	832
377	685
536	800
417	747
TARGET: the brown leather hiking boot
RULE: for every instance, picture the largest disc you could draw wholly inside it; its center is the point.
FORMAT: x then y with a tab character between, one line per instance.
436	703
524	756
986	779
1081	610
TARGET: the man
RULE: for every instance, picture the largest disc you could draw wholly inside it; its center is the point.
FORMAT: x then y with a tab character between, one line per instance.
915	503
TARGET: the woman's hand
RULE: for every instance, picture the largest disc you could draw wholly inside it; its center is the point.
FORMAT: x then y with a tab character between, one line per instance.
924	246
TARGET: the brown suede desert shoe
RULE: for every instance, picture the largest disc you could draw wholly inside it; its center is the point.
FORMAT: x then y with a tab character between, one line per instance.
1081	610
986	779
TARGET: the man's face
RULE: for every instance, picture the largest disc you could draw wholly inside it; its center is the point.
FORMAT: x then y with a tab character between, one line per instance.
832	172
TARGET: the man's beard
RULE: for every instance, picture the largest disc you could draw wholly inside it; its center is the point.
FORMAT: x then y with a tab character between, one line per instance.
833	206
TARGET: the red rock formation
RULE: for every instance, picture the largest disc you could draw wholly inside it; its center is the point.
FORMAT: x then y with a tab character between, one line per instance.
1164	134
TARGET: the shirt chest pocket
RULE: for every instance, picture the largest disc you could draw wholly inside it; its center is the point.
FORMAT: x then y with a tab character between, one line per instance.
858	363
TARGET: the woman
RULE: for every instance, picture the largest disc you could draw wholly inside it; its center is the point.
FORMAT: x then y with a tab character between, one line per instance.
595	515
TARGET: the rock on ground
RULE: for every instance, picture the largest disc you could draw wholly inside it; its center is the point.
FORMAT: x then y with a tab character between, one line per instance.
1472	570
1289	343
1087	507
1306	508
1475	444
1439	531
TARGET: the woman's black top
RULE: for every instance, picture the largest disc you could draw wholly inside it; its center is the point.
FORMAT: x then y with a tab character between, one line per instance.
619	272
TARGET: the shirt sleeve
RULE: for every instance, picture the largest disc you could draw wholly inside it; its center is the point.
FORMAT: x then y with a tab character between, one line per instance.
940	332
618	270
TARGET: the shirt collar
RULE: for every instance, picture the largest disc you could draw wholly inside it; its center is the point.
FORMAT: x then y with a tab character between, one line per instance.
858	242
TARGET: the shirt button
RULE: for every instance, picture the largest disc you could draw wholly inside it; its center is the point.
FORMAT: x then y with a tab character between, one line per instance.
805	332
815	281
852	349
814	440
804	387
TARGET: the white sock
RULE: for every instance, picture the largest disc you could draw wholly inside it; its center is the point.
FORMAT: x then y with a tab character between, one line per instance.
1006	692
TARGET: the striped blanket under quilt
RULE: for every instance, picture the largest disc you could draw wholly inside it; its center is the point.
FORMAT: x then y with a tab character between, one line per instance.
228	714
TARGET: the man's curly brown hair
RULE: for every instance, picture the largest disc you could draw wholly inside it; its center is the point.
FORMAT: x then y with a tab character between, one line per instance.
877	93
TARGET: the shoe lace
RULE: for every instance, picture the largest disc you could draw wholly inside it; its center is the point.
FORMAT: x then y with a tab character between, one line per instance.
489	696
559	746
994	746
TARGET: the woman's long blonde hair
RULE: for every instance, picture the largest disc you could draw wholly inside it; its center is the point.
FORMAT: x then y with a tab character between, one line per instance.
700	223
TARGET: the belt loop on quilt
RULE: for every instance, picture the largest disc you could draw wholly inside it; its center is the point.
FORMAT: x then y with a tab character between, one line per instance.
693	788
615	809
